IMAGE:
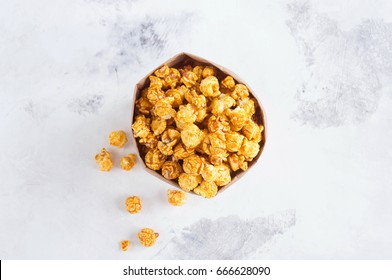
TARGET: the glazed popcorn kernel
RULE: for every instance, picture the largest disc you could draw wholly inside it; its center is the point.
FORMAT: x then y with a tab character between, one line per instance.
147	237
210	86
125	245
118	138
196	127
133	204
175	197
104	160
128	162
154	159
193	164
171	170
206	189
188	182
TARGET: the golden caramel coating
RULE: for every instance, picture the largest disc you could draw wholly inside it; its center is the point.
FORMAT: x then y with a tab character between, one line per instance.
219	105
158	125
218	123
223	177
176	198
249	149
181	152
162	72
144	105
189	78
218	155
233	141
171	170
128	162
191	135
217	139
188	182
209	173
165	149
155	94
248	105
125	245
154	159
210	86
133	204
237	162
170	137
199	101
185	115
147	237
155	82
193	164
208	71
198	70
104	160
149	141
240	92
164	109
201	114
238	118
206	189
177	95
172	79
118	138
252	131
228	83
141	126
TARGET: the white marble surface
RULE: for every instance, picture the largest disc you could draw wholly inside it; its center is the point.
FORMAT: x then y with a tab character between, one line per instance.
321	190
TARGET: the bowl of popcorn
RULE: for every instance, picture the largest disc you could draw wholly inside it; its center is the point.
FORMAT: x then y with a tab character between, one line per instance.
197	126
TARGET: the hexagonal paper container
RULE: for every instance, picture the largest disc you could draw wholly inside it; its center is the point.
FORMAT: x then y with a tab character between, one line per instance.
179	61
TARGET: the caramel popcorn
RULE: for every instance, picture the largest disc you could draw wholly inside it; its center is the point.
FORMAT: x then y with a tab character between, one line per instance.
188	182
171	170
209	86
206	189
133	204
147	237
154	159
125	245
118	138
104	160
193	164
196	126
175	197
128	162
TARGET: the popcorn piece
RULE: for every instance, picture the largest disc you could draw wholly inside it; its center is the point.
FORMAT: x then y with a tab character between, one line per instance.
154	159
149	141
188	182
171	170
208	71
233	141
189	78
125	245
175	197
164	109
147	237
133	204
170	137
162	72
238	118
199	101
221	104
223	175
144	105
248	105
155	82
209	173
218	155
218	123
155	94
165	149
181	152
201	114
185	115
104	160
240	92
228	83
252	131
177	95
141	126
128	162
158	125
198	70
118	138
173	78
237	162
249	149
206	189
209	86
191	135
193	164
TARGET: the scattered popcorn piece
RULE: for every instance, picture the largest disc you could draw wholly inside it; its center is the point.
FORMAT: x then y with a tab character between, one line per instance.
104	160
147	237
133	204
118	138
128	162
175	197
125	245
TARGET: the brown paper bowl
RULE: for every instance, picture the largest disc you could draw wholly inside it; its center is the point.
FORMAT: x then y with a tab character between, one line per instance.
178	61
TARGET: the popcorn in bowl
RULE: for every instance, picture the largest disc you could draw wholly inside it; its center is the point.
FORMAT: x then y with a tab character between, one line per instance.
197	126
